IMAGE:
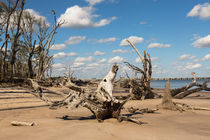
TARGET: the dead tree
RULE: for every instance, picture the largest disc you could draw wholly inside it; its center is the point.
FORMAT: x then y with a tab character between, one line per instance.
45	43
15	39
193	87
142	89
99	102
7	9
28	33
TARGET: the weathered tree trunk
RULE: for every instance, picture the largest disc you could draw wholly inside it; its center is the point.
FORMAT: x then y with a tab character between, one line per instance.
100	102
144	91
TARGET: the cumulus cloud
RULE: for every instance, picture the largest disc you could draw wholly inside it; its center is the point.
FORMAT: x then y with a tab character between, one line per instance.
103	40
154	59
119	51
138	60
77	64
93	2
84	59
202	42
116	59
98	53
75	40
58	65
191	66
58	47
102	60
63	54
133	39
185	57
143	22
206	57
158	45
83	17
200	10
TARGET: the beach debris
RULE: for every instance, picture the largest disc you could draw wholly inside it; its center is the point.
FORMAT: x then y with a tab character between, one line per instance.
168	104
100	101
18	123
180	93
140	89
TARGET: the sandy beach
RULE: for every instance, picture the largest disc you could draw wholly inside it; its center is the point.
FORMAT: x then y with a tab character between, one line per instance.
16	105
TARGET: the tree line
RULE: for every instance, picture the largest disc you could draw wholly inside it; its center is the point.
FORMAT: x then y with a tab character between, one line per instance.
25	41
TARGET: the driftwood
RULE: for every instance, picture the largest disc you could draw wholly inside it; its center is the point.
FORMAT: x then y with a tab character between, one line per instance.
141	90
100	102
168	104
193	87
17	123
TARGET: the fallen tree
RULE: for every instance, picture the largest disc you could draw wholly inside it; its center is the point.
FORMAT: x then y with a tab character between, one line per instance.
100	102
193	87
168	104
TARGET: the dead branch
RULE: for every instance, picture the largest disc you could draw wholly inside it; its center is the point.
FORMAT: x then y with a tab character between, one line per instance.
168	104
100	102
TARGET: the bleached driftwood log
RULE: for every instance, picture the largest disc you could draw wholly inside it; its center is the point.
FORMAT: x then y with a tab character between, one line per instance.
100	102
18	123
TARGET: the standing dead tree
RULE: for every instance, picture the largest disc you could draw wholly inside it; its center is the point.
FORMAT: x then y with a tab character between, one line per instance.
45	43
193	87
7	9
141	89
100	102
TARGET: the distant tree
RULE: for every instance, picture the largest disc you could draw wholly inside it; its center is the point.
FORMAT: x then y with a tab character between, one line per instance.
7	8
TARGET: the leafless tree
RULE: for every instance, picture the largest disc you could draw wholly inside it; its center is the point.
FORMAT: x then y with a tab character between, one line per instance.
45	39
7	8
141	89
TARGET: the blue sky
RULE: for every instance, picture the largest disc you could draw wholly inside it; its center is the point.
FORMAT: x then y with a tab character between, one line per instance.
176	34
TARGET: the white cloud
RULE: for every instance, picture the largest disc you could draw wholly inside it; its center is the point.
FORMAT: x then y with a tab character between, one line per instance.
132	39
119	51
158	45
206	57
75	40
102	60
103	40
185	57
58	47
82	17
77	64
143	22
116	59
93	65
191	66
63	54
201	10
202	42
98	53
84	59
154	59
93	2
138	60
58	65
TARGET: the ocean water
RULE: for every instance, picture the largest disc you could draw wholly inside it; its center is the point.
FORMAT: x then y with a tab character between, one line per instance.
174	83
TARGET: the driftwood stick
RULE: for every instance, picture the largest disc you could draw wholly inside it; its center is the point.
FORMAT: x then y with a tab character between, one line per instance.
17	123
